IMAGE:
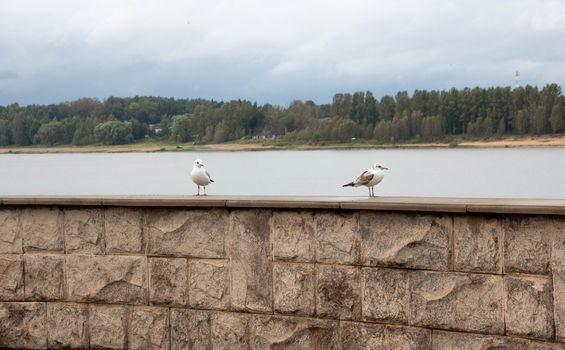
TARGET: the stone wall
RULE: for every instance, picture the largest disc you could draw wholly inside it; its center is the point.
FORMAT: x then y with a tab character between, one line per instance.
237	278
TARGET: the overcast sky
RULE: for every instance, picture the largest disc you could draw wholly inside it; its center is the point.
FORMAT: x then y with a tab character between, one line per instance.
273	51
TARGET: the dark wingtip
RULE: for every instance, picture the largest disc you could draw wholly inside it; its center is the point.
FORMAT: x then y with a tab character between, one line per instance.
349	184
211	180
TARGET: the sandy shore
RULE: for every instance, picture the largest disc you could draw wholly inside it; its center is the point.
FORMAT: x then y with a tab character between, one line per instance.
542	141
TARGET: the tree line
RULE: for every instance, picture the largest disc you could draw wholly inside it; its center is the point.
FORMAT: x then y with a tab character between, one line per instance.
422	116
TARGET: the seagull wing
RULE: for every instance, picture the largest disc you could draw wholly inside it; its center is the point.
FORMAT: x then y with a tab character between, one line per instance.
208	174
364	178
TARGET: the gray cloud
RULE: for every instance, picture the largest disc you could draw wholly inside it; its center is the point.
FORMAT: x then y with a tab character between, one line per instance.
273	51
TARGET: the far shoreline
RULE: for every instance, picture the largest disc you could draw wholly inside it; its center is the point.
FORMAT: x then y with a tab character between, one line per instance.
514	142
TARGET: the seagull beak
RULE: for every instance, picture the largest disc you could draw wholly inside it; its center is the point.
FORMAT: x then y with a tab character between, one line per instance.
385	168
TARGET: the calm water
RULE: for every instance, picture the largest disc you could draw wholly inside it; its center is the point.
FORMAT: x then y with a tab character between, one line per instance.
511	172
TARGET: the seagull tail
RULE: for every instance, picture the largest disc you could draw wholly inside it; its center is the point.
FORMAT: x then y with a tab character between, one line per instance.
211	180
349	184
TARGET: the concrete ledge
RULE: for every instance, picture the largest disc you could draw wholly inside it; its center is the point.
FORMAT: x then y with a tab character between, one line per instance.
421	204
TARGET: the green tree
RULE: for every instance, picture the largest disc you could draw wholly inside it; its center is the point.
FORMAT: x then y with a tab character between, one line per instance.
180	128
113	133
557	118
51	133
4	133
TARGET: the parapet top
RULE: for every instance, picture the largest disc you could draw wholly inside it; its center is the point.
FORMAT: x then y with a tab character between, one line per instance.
418	204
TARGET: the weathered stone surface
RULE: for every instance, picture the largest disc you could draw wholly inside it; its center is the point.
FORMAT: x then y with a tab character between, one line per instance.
67	326
23	325
409	338
108	326
10	240
337	238
110	279
84	231
478	244
168	281
527	244
538	345
11	277
209	284
412	241
529	307
192	233
338	292
294	288
464	341
558	272
559	304
469	302
149	328
279	332
190	329
249	248
229	331
386	295
124	231
44	277
362	336
293	236
40	229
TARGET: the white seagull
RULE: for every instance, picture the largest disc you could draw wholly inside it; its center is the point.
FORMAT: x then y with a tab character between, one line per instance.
370	178
200	176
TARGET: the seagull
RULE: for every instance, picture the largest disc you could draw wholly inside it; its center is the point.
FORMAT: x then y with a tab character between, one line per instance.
369	178
200	176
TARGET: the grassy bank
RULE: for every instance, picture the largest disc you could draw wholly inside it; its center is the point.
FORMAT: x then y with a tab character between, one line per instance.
539	141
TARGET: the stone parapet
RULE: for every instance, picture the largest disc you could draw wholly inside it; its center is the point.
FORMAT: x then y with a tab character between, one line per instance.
250	277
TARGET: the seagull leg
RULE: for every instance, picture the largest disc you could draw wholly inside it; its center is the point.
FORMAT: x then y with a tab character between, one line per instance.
204	191
198	194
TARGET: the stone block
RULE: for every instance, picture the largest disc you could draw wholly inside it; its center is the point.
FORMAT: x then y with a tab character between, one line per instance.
386	295
293	236
44	277
84	231
529	307
23	326
124	231
538	345
409	338
478	244
468	302
338	292
229	331
10	239
251	264
527	244
67	326
192	233
362	336
559	304
109	279
410	241
149	328
558	246
41	229
108	326
294	288
11	277
337	238
280	332
168	281
190	329
464	341
209	284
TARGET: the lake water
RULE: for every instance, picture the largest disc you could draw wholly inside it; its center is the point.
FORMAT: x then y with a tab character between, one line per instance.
505	172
